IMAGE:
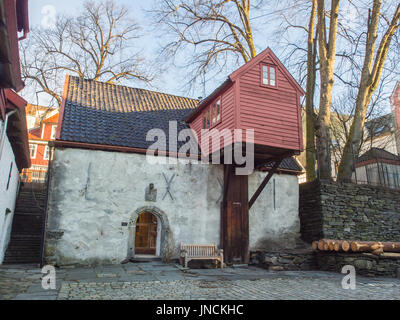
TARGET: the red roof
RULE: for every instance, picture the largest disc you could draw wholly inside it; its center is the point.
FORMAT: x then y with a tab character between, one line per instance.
52	119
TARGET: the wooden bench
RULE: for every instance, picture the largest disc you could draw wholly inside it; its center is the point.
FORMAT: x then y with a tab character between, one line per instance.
201	252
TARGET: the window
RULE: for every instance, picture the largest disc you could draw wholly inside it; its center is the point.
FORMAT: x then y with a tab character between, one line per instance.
46	155
53	132
268	75
216	112
32	150
212	115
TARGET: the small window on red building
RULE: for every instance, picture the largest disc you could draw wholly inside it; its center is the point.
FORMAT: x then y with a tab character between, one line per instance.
268	75
206	119
32	150
212	115
46	155
216	112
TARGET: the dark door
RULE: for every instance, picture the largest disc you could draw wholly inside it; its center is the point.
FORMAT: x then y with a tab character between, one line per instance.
146	234
235	221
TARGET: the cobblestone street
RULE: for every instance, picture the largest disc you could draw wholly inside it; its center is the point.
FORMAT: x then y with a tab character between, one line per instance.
145	281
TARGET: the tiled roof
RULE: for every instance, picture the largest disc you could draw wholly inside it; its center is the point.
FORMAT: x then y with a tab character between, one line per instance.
377	153
107	114
379	126
52	119
102	113
34	134
115	98
288	164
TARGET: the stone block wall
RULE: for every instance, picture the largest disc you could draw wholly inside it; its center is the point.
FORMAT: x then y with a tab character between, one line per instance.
349	211
296	259
366	264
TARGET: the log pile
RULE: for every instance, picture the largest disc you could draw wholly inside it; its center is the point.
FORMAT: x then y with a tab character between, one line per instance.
374	247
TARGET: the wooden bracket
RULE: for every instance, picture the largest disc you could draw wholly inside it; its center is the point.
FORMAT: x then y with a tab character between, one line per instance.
265	182
227	176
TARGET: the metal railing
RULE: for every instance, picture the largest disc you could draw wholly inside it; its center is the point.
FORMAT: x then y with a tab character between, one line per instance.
34	175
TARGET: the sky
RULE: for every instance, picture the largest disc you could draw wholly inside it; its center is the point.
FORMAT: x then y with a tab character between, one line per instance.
172	81
39	9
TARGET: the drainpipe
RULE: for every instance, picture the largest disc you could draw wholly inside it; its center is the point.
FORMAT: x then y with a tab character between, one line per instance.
3	134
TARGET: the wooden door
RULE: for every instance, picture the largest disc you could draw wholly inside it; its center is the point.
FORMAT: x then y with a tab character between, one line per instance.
146	234
235	221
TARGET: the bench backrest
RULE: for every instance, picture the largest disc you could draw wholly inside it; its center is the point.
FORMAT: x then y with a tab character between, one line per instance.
200	250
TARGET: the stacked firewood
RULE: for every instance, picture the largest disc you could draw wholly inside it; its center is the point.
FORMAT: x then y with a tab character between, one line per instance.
374	247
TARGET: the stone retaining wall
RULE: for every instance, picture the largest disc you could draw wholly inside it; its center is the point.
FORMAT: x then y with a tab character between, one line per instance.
300	259
366	264
349	211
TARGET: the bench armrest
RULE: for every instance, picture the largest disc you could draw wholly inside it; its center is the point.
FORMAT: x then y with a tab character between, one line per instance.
183	252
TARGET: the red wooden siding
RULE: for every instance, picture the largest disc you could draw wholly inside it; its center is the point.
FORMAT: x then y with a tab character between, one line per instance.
40	137
227	118
272	111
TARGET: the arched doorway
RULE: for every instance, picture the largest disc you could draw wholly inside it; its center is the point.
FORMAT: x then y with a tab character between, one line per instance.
164	240
146	234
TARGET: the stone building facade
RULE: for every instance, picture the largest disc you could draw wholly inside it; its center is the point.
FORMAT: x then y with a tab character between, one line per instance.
97	197
112	197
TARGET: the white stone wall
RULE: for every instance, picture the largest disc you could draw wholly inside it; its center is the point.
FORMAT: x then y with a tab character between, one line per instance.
94	192
7	196
274	223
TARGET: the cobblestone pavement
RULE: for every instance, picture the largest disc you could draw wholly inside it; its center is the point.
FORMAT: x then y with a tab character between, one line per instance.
155	280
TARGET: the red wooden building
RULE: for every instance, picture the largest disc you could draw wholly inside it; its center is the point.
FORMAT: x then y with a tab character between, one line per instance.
13	20
14	151
261	95
39	149
264	97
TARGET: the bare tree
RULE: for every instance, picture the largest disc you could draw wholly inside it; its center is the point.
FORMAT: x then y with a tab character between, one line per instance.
99	44
327	53
371	72
218	31
310	90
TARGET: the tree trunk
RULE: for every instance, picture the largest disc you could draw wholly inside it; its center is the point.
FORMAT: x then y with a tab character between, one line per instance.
310	89
370	77
327	52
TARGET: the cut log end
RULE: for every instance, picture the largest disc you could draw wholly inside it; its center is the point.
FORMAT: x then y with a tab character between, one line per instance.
314	245
345	246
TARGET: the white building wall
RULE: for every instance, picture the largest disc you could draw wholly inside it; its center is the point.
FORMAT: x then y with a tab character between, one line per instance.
95	193
7	196
274	218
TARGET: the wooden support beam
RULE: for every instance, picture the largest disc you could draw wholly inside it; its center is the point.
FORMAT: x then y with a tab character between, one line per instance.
227	176
265	182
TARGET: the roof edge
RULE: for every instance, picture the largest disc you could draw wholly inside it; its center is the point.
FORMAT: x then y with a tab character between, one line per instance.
62	107
226	84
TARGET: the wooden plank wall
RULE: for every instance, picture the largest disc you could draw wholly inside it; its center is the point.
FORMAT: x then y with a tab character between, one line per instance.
235	220
272	112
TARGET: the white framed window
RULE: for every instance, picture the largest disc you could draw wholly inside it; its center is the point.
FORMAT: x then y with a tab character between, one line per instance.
53	132
216	111
32	150
268	75
46	155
